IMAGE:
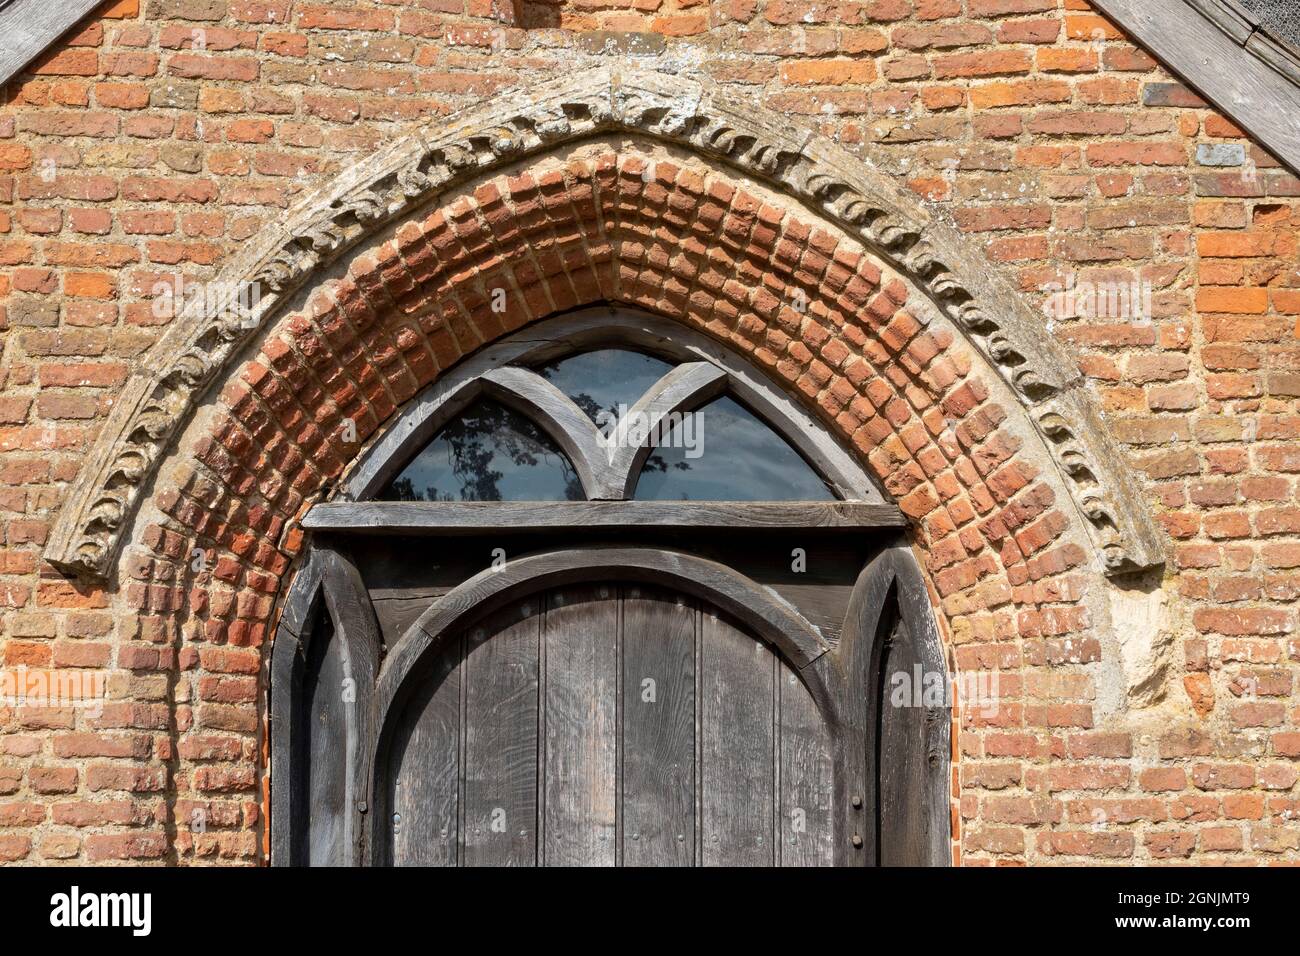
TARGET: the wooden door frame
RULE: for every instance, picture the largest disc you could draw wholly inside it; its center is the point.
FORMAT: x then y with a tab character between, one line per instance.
330	583
891	583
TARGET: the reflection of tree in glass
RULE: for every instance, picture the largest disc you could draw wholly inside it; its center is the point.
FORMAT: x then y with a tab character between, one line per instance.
591	408
403	489
656	463
619	371
472	441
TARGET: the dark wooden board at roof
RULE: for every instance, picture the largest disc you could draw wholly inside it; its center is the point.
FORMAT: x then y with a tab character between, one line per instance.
1235	65
31	26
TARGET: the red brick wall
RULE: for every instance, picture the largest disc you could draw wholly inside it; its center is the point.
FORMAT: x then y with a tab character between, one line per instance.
128	156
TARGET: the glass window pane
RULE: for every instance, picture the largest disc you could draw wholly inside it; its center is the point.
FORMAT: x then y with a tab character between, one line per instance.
603	381
724	452
489	453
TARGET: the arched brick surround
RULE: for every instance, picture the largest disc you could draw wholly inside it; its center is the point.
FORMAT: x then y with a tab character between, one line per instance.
1044	139
395	181
623	222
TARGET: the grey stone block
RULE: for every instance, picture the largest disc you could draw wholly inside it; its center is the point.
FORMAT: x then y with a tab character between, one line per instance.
1221	154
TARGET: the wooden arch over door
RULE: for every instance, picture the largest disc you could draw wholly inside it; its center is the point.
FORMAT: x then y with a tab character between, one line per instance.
465	681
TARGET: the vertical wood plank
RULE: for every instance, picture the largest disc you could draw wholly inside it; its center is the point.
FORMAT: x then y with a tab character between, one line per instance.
501	733
699	735
356	637
658	728
326	726
855	738
806	820
904	821
738	746
581	726
425	770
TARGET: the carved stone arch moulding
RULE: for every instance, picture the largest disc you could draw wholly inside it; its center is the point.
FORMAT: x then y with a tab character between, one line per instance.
203	343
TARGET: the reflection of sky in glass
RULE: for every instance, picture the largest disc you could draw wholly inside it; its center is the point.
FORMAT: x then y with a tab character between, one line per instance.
605	379
489	453
743	460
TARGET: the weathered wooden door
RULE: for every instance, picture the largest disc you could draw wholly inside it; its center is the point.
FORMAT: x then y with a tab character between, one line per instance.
610	724
602	595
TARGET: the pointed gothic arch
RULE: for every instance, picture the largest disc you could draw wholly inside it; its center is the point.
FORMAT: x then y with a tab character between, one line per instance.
201	347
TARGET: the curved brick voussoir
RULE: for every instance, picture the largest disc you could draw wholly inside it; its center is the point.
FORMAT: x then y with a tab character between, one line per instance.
954	280
827	319
823	316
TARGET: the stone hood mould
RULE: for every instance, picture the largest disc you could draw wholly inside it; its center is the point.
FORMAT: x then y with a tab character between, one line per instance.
202	344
